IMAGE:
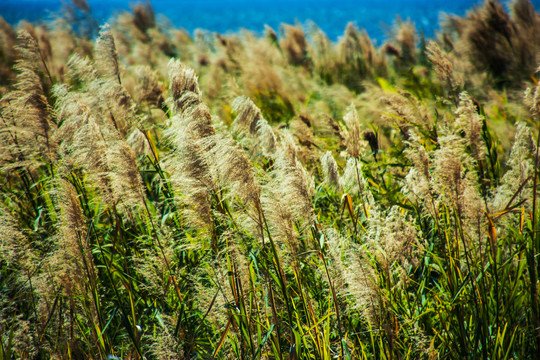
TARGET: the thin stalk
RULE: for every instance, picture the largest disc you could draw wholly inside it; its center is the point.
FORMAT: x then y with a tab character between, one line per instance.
130	328
91	276
160	245
535	248
267	277
360	186
474	289
335	300
278	268
45	66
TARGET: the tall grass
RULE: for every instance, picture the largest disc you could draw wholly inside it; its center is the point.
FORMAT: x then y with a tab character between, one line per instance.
277	197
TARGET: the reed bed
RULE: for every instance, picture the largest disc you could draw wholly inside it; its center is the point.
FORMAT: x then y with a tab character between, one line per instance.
168	196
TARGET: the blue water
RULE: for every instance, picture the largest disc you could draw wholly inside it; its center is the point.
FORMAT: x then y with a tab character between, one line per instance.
227	16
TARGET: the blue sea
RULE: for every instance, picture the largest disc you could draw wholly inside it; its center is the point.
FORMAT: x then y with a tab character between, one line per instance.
226	16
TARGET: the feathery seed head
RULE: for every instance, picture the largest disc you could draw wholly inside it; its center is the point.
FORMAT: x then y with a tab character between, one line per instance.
532	100
183	81
449	171
407	112
250	118
71	251
470	122
26	111
81	69
125	179
279	215
295	185
294	44
187	102
144	17
418	180
15	247
455	179
330	171
406	38
106	54
352	134
393	237
28	53
231	168
190	174
148	87
521	167
139	143
267	137
352	175
443	65
248	114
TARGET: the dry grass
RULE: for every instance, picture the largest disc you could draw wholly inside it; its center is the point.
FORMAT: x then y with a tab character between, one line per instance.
282	197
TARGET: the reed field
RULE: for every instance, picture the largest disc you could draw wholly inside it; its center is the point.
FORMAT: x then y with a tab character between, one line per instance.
166	195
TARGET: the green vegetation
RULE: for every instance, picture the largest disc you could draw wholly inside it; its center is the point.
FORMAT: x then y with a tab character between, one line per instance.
282	197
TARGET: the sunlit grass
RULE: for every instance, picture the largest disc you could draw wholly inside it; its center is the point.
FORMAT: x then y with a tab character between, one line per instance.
281	197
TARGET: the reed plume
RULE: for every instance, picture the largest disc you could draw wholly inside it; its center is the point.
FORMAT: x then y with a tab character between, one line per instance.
353	276
124	176
407	111
358	59
517	182
15	249
8	39
99	149
25	111
532	100
493	41
405	38
393	239
456	183
295	183
141	219
106	55
330	171
105	98
294	45
189	126
231	168
418	181
470	123
306	142
144	17
148	88
187	101
323	53
444	68
354	182
71	261
352	134
191	176
250	118
20	262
